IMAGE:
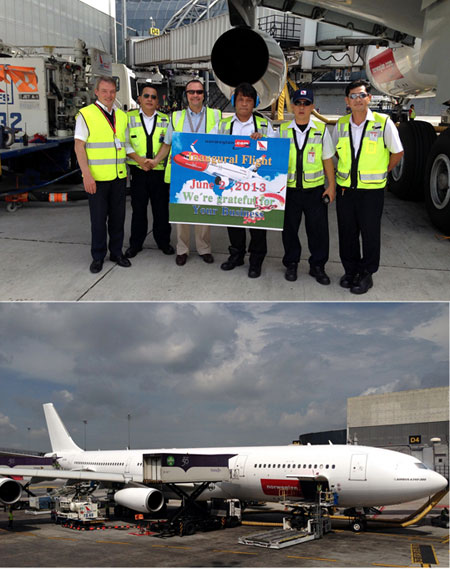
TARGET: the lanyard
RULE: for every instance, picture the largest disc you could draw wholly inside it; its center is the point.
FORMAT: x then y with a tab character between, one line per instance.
202	112
112	125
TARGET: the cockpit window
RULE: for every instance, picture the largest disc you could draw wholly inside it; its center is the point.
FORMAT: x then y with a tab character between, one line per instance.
421	465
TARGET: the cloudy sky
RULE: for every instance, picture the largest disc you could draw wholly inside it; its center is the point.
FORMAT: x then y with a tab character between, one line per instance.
207	374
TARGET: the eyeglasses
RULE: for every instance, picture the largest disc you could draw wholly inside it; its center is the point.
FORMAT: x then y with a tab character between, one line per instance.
195	91
302	103
147	95
358	95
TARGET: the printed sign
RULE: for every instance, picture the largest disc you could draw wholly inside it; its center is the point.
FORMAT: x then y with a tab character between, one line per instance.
228	180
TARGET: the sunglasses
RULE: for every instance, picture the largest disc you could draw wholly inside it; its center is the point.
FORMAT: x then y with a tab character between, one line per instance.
358	95
195	91
147	95
302	103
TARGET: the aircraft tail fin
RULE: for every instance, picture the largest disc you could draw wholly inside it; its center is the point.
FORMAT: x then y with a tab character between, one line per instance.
60	439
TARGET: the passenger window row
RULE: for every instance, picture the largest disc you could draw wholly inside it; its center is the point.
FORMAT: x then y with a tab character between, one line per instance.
294	466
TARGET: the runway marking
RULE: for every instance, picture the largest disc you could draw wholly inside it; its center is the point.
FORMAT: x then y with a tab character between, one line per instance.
231	551
311	558
400	536
173	547
384	565
116	542
64	538
445	540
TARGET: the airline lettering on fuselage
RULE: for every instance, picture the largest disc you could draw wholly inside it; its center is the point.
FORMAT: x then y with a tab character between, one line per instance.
272	487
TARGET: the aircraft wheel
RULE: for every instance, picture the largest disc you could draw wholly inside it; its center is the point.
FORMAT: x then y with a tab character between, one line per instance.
406	179
358	526
11	207
437	183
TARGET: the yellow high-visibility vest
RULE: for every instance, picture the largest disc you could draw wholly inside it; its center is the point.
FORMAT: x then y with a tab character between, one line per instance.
178	117
313	174
106	161
372	166
138	136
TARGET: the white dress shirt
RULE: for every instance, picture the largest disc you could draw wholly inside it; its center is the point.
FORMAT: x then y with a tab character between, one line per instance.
81	129
245	128
328	147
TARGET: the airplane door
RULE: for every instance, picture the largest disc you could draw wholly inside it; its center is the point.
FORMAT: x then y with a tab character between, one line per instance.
127	465
239	466
358	467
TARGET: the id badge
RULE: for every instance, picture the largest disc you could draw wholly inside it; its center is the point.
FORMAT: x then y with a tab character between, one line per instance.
311	157
373	136
118	144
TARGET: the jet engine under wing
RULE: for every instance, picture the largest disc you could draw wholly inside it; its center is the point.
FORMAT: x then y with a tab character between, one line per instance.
52	473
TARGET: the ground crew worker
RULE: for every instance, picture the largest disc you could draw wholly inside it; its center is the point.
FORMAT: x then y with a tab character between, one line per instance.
368	147
146	130
100	132
310	158
10	518
245	122
195	118
412	112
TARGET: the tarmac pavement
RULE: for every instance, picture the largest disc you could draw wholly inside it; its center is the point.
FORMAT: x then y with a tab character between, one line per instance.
45	256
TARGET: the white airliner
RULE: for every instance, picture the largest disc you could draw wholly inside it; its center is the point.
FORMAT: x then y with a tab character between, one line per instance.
359	476
223	171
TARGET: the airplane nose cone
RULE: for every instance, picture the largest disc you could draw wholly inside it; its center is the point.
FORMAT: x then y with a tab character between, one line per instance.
437	482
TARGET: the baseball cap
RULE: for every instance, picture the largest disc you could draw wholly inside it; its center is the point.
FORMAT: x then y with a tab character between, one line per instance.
303	93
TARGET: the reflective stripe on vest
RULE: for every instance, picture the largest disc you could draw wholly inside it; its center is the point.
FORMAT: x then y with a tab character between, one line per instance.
212	118
373	157
261	125
105	161
138	136
313	173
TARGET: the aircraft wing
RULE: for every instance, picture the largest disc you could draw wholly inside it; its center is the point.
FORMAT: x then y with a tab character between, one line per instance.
53	473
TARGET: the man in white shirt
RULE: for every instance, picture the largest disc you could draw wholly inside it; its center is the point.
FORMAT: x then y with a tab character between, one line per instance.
310	159
368	146
146	130
100	133
245	123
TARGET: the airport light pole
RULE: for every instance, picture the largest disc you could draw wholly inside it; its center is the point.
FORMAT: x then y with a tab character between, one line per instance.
85	423
29	442
129	440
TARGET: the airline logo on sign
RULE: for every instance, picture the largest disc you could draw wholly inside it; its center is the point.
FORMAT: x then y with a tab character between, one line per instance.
242	144
261	145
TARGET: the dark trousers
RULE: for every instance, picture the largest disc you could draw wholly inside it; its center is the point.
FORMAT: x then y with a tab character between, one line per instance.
107	210
257	246
310	203
359	215
147	186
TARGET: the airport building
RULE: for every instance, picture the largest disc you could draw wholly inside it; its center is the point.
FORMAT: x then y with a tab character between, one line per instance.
415	422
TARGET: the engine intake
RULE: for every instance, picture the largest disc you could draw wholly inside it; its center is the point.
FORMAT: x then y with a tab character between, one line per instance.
245	54
145	500
10	491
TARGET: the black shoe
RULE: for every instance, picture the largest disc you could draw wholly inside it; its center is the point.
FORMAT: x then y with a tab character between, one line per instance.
347	280
231	263
96	266
254	271
180	260
168	250
208	258
132	252
320	275
121	260
291	272
362	283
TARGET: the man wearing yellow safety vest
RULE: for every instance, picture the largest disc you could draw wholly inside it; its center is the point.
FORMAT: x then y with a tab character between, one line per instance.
310	159
245	122
195	118
100	133
368	146
146	130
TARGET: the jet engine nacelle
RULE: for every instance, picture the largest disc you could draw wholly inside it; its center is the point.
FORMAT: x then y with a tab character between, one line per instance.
245	54
395	71
10	491
145	500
